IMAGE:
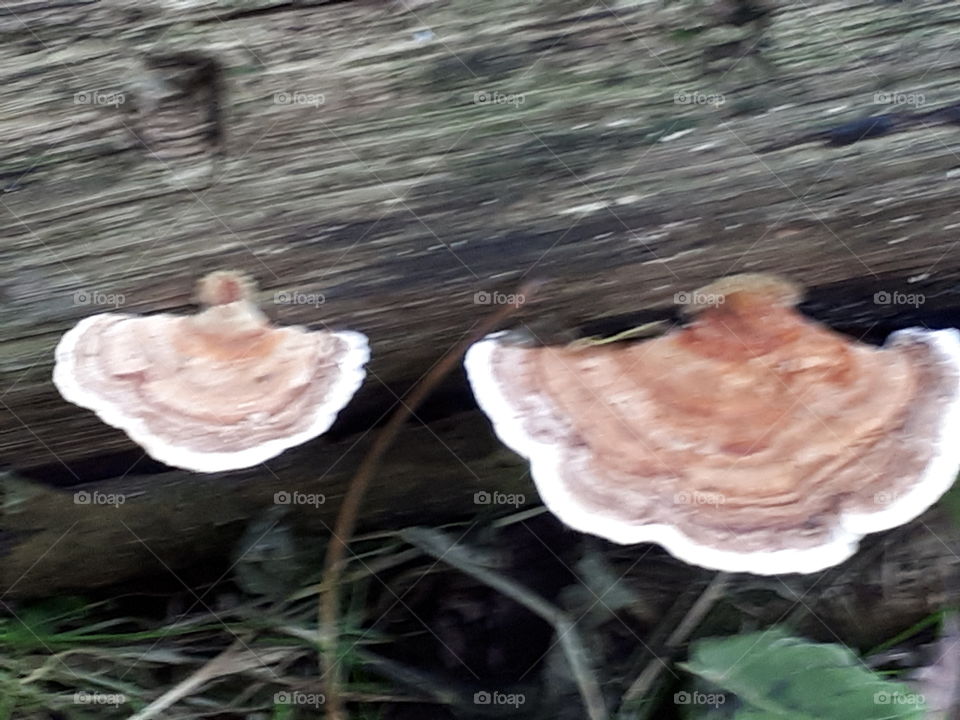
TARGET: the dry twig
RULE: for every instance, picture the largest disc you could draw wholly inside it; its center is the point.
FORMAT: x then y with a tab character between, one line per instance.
329	609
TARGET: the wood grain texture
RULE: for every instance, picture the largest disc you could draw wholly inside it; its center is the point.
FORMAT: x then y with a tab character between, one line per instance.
398	158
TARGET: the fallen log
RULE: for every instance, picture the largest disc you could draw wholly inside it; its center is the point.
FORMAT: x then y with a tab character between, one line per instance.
393	168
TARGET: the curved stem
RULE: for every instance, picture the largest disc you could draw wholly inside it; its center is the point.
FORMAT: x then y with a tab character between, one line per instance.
329	610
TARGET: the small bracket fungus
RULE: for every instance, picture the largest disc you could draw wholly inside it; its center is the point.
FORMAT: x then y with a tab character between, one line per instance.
219	390
753	439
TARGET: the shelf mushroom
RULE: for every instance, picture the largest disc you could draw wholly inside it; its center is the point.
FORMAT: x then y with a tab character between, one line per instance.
219	390
753	439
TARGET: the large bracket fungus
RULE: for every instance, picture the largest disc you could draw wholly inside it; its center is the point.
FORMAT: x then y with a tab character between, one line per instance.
219	390
753	439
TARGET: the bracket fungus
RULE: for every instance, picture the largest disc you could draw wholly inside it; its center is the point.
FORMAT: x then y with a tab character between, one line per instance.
219	390
752	439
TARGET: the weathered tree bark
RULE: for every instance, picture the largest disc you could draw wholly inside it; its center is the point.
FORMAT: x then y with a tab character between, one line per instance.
101	533
395	160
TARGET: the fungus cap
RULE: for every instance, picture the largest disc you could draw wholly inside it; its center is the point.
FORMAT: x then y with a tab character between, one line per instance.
219	390
752	439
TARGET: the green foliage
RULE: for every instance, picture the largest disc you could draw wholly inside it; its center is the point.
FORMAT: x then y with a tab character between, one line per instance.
282	712
40	622
951	503
55	624
778	677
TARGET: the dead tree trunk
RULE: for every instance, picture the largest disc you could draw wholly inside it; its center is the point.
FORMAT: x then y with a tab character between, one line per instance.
377	165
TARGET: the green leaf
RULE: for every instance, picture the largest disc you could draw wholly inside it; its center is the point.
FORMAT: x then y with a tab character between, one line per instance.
951	503
50	614
779	677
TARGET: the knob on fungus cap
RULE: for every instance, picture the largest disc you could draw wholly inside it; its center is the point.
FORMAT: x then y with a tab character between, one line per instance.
753	439
219	390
